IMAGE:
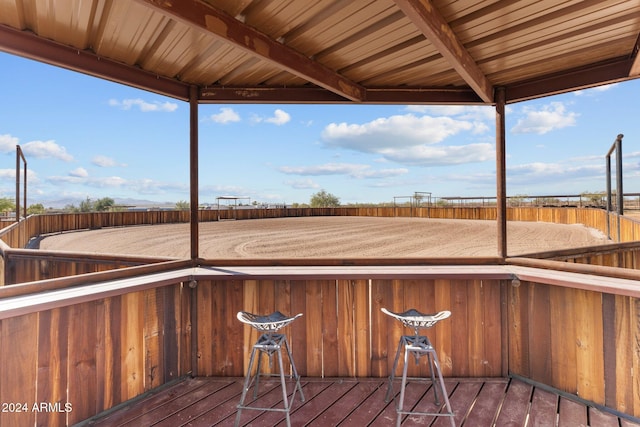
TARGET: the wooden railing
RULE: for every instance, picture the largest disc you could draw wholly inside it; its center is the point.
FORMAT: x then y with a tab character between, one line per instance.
103	344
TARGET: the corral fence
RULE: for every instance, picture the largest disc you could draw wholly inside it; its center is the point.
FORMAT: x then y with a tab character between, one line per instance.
100	339
22	265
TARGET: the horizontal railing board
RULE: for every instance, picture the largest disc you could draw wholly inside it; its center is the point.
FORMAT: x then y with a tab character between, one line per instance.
17	306
41	300
88	278
606	285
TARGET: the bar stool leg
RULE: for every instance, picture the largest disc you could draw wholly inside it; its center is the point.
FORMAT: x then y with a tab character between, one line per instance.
387	397
245	387
444	392
433	378
257	375
294	371
400	407
283	383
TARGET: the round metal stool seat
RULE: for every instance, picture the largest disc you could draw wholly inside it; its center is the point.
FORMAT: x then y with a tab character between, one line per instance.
418	345
270	342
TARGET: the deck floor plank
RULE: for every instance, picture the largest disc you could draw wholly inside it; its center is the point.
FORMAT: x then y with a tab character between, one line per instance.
349	402
370	409
211	394
544	408
477	402
602	419
572	414
485	409
461	400
515	407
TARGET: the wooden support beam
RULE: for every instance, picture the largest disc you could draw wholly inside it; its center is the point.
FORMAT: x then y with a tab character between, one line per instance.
230	30
501	173
606	72
193	172
318	95
432	24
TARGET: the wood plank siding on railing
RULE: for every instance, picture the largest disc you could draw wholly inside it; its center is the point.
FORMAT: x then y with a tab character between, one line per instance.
95	351
128	325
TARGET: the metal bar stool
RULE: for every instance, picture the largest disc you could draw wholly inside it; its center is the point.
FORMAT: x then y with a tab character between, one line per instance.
418	345
269	343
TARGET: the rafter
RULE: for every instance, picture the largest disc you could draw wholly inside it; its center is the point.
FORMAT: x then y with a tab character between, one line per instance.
229	29
430	22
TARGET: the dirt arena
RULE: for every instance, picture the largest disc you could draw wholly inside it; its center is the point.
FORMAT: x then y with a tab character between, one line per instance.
328	237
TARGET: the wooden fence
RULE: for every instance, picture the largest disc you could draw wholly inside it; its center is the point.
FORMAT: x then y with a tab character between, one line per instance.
19	266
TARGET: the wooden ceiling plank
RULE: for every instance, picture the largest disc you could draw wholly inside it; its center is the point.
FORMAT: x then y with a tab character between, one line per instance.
426	17
28	45
224	26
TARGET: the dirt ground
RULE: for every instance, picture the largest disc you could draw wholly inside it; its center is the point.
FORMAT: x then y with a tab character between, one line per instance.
334	237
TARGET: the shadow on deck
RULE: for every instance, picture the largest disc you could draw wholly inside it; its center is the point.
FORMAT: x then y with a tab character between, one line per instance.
476	402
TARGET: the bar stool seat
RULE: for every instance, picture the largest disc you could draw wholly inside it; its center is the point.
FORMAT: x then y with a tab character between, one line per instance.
418	345
270	342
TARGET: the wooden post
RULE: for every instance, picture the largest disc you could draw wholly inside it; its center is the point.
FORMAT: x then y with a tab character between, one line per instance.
17	183
193	168
501	180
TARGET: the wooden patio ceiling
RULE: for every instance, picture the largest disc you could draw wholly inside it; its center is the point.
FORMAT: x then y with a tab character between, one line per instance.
334	51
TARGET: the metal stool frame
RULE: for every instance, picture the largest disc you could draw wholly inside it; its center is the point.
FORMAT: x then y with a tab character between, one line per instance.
269	343
418	345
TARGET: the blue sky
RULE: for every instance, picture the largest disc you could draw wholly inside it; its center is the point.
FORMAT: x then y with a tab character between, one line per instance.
85	137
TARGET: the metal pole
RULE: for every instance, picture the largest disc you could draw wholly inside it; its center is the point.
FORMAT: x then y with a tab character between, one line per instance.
17	183
501	181
620	195
608	202
24	190
193	167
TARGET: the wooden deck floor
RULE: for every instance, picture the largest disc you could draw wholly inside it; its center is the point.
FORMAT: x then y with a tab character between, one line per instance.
350	402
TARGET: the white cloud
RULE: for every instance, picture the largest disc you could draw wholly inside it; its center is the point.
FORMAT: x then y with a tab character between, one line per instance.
76	177
539	172
8	143
105	162
8	174
442	155
546	119
79	173
411	139
226	115
46	149
149	186
465	112
303	184
144	106
279	118
594	90
348	169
